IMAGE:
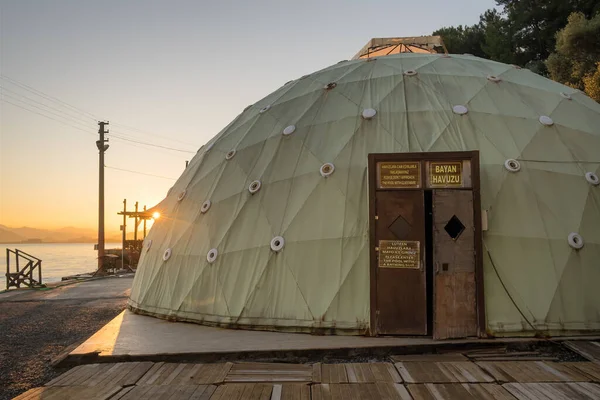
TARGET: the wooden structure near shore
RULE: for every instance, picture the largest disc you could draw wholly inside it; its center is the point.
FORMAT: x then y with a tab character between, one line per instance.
29	274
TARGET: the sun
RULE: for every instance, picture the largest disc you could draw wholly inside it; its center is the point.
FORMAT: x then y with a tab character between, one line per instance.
156	215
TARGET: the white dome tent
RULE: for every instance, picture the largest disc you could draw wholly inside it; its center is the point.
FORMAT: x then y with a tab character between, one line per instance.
269	227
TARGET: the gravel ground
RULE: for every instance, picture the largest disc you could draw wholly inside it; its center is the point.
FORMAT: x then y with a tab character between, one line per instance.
34	331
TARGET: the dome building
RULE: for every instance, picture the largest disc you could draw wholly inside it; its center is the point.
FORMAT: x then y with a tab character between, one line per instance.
403	192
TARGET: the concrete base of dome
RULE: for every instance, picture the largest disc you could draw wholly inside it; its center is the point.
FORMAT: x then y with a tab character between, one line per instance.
133	337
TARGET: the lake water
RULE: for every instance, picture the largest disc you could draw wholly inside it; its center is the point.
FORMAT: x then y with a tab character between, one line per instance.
58	259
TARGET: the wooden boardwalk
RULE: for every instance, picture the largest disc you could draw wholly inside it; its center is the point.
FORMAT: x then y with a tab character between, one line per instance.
451	377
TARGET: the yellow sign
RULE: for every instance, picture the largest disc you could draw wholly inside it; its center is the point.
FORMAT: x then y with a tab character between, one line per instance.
445	174
399	254
399	175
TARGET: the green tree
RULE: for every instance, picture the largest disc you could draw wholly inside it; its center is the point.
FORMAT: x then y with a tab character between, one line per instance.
576	60
498	43
463	39
535	23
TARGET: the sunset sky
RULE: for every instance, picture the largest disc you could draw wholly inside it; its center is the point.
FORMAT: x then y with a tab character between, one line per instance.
172	73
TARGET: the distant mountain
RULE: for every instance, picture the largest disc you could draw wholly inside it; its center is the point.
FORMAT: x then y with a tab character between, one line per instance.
63	235
7	236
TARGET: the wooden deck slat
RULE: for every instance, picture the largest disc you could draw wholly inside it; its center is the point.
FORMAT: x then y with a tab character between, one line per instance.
531	371
70	393
333	373
458	391
213	373
203	392
184	374
78	371
590	369
371	373
60	377
243	391
362	391
569	391
586	348
441	372
114	374
293	391
265	372
316	375
430	357
136	373
152	372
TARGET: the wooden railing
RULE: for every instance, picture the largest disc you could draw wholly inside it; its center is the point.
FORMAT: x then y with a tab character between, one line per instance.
26	266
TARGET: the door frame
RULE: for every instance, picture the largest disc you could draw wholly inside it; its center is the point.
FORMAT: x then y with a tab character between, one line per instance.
473	156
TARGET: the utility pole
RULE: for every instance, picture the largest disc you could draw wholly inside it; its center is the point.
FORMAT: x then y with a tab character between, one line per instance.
102	147
136	223
124	233
144	223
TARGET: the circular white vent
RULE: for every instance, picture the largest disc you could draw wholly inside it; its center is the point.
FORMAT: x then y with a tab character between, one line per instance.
254	186
565	95
327	169
167	254
289	130
410	72
592	178
575	240
265	109
493	78
205	206
460	109
149	244
545	120
330	86
211	256
230	154
368	113
512	165
181	196
277	243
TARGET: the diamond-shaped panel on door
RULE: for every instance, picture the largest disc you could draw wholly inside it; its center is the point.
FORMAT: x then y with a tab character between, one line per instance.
400	227
454	227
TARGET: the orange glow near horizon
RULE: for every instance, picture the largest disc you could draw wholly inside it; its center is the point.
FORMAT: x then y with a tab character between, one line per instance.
156	215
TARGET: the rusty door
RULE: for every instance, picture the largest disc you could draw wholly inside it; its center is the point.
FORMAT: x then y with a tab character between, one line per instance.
454	264
401	283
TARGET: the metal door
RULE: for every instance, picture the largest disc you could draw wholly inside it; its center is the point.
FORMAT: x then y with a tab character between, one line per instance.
454	264
401	283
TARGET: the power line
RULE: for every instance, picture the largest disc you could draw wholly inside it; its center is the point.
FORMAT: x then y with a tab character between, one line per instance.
70	119
40	103
151	144
47	96
63	114
127	127
43	115
141	173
